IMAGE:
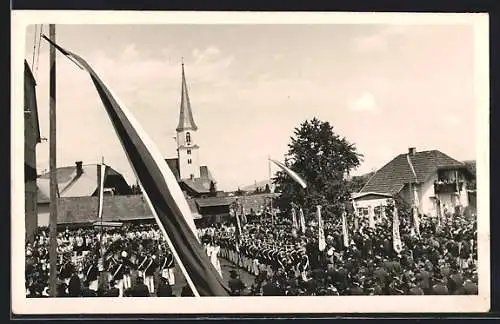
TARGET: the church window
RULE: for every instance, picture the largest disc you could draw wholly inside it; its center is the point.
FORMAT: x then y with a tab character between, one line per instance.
189	161
188	137
189	151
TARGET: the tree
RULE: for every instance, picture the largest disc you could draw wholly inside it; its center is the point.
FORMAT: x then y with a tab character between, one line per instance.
323	159
267	189
239	192
358	182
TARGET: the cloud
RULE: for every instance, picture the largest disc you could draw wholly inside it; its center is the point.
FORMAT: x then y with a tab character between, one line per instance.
383	39
210	53
365	102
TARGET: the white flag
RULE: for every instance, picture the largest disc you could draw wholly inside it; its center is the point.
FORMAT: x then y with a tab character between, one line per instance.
101	190
302	221
396	238
321	234
345	231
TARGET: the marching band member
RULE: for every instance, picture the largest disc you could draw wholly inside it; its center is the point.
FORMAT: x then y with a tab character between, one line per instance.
149	271
141	261
117	276
127	281
91	273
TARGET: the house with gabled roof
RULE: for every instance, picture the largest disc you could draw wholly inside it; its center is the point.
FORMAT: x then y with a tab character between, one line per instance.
438	181
80	180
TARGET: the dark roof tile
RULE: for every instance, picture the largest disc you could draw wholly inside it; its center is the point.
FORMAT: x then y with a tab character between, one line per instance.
391	178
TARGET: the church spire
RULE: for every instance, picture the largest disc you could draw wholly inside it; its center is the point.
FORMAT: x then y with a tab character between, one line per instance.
186	120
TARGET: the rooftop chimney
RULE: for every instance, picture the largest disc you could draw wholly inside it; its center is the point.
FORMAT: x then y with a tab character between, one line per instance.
79	168
412	151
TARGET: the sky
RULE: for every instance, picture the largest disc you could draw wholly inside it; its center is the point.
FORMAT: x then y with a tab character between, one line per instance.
384	87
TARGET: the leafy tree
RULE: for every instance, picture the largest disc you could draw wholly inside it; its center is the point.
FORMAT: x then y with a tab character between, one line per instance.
323	159
239	192
267	189
358	182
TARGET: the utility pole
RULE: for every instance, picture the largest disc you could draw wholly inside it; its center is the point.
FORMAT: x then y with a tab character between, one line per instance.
53	165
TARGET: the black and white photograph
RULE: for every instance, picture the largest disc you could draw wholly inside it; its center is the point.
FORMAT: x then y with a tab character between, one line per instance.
274	162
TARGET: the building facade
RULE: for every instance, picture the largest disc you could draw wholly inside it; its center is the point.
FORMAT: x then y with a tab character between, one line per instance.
80	180
434	181
187	149
31	139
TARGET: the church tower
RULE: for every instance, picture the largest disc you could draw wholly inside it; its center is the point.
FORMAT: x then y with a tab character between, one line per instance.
187	149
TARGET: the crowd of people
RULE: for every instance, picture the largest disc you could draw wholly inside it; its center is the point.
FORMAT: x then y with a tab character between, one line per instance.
129	261
283	260
440	260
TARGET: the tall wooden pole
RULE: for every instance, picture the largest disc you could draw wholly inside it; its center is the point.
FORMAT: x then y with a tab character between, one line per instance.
270	194
53	165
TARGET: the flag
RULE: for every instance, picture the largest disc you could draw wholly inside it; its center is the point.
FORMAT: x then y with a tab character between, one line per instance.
102	176
345	231
243	216
291	173
160	189
295	224
396	238
238	232
356	216
302	221
321	230
371	217
416	217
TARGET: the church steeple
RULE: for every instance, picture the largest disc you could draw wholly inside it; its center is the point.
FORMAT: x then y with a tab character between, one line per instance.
187	149
186	120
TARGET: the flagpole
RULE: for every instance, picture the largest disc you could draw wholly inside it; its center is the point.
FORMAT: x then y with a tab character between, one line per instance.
270	196
99	188
52	165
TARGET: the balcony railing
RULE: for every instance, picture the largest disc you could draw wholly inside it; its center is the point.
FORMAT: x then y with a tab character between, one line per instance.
447	186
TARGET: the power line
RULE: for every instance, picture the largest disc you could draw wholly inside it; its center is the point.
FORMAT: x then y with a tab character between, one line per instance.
34	49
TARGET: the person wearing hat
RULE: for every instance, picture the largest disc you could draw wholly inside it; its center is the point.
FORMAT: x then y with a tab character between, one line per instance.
127	268
91	273
235	284
440	287
164	288
356	289
149	271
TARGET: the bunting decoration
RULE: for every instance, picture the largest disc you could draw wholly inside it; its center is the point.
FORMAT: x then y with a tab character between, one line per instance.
321	230
292	174
345	231
160	189
396	238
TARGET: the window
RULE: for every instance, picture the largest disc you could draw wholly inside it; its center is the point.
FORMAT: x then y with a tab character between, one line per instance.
189	161
189	151
188	138
191	176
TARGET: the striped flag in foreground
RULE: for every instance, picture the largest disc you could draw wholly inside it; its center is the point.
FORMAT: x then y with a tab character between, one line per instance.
102	175
291	173
161	190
